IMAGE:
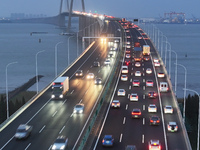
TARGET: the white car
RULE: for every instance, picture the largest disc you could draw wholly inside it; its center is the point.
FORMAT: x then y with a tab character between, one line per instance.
137	64
128	46
124	77
78	108
137	73
157	64
154	145
121	92
148	71
107	62
155	60
124	69
23	131
168	109
149	83
133	97
128	56
90	76
152	108
172	127
161	75
60	143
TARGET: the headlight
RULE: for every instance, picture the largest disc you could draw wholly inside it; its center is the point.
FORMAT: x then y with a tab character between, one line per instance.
54	147
52	96
75	111
61	96
62	147
81	111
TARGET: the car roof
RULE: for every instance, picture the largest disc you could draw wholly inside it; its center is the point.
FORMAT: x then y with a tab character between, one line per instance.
172	123
154	141
108	136
115	101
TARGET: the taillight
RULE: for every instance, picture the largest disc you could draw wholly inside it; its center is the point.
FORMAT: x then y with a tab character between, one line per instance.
158	121
151	120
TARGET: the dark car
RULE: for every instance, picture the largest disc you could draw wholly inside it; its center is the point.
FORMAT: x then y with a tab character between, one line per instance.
79	73
108	140
154	120
152	94
96	64
136	113
98	81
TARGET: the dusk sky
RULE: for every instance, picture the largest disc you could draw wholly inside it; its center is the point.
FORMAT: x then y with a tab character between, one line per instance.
117	8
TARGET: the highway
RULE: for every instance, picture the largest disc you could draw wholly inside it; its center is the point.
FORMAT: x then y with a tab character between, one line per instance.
128	131
51	118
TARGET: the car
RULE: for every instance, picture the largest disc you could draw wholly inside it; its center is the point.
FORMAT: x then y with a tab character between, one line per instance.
121	92
143	33
128	56
136	83
128	36
136	113
90	76
79	73
130	147
128	42
139	37
128	51
108	140
127	30
157	64
154	145
155	60
107	62
137	73
149	83
152	94
154	120
60	143
115	104
124	77
127	62
172	127
112	48
146	58
128	46
110	55
152	108
124	69
168	109
148	71
96	64
79	108
23	131
98	81
133	97
137	64
161	75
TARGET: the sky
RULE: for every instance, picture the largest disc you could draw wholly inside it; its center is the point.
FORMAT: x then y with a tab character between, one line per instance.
116	8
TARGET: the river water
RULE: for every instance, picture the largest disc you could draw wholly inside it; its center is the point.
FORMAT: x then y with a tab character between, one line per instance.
18	45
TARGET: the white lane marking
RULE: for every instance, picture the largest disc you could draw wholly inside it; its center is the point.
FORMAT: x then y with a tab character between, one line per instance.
143	87
42	129
61	130
50	147
126	106
143	74
81	100
143	80
124	121
131	80
86	92
143	121
54	113
99	71
143	69
128	95
132	69
130	87
72	92
27	146
120	140
71	114
142	138
143	107
131	73
144	96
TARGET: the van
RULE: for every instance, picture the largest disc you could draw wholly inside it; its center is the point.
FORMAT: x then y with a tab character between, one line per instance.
163	87
130	147
124	69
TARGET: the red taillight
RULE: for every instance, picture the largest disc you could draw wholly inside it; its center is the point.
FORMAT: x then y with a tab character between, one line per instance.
102	141
158	121
61	83
54	83
151	120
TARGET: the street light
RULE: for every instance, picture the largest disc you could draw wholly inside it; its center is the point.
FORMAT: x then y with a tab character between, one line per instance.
175	70
165	50
56	57
68	48
198	116
7	87
36	72
169	59
184	91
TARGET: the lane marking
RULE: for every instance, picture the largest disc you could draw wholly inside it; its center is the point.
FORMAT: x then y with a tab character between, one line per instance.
72	91
42	129
131	80
81	100
120	140
130	87
61	130
143	121
126	106
144	96
143	87
124	121
128	95
54	113
142	138
143	80
27	146
143	107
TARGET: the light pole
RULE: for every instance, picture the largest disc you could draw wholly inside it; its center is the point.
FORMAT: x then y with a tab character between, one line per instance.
175	70
198	116
184	92
169	59
165	49
56	49
68	48
36	70
7	87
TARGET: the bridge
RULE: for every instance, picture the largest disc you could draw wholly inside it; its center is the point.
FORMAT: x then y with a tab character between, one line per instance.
51	118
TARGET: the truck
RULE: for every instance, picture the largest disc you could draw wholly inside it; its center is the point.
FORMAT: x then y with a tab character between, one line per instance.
146	50
137	51
60	87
